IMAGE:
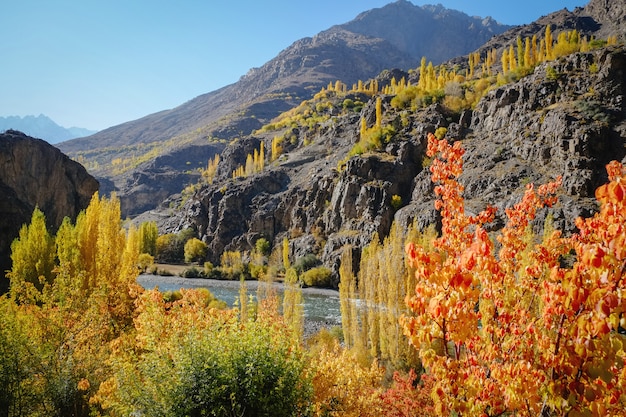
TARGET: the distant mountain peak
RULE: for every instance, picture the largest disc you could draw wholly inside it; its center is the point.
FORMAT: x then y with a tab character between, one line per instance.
42	127
402	22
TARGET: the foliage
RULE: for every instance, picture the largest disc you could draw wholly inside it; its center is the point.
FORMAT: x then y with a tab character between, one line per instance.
373	301
255	162
316	277
145	261
343	386
190	359
263	246
170	247
306	262
195	250
396	202
208	175
32	255
516	331
286	252
409	396
148	234
232	266
293	304
54	337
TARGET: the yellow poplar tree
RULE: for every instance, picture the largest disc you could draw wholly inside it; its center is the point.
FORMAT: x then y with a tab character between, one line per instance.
293	304
32	255
379	111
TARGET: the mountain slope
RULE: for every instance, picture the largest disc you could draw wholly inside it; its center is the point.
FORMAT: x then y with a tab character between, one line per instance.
529	131
358	50
565	116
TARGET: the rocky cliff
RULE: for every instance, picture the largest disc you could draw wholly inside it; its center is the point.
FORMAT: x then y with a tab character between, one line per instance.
36	174
565	118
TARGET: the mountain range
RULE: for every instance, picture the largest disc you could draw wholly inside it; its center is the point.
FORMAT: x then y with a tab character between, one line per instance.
564	116
42	127
161	148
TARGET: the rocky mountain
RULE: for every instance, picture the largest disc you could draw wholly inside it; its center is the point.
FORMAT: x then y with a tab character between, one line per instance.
394	36
42	127
35	174
566	117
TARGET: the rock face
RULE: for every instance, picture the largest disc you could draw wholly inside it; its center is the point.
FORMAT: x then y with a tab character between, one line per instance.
567	118
611	14
36	174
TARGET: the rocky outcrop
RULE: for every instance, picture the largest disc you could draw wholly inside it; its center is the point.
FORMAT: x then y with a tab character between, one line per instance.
36	174
610	14
164	176
565	119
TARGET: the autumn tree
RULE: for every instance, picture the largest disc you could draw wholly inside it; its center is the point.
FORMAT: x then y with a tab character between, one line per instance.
348	295
518	331
195	250
286	252
63	327
211	170
148	234
293	311
32	256
380	288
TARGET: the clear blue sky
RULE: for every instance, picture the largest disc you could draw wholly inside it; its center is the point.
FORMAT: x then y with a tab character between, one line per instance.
98	63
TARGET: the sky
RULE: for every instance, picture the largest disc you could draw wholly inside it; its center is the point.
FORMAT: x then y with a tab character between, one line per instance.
99	63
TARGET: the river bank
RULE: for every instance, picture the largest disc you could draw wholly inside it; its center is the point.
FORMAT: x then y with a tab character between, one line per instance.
321	306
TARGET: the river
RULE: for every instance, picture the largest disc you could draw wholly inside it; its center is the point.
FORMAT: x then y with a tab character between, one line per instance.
321	306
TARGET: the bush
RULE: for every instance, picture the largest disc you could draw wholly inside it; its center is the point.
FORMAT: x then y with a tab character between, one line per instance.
263	246
193	272
396	201
316	277
307	262
195	250
204	361
145	261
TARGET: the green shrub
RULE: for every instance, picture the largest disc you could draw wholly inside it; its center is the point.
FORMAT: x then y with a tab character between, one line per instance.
305	263
205	363
396	202
195	250
145	262
316	277
263	246
193	272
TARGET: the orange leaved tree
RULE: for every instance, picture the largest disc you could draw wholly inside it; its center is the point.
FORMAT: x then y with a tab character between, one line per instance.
533	328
